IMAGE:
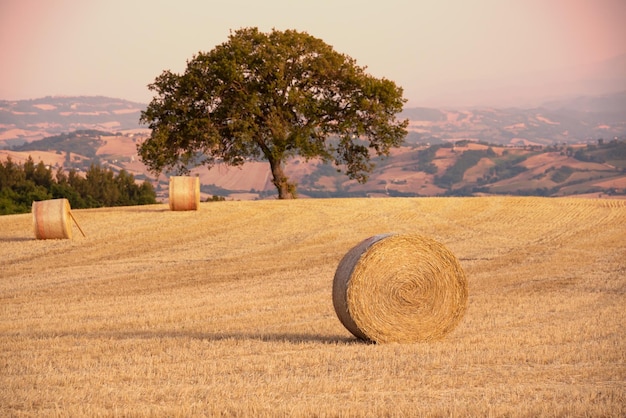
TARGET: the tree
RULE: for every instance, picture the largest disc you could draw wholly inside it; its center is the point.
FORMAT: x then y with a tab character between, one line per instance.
271	95
20	185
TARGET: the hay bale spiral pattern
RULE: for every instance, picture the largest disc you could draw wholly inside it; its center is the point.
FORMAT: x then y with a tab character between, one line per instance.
400	288
184	193
51	219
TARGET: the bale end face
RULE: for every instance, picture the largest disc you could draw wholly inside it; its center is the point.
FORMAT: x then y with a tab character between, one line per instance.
400	288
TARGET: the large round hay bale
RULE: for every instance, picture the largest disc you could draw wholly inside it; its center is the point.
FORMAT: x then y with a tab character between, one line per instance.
399	288
52	219
184	193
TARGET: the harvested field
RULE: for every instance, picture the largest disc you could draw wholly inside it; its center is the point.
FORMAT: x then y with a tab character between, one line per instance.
118	145
20	157
228	311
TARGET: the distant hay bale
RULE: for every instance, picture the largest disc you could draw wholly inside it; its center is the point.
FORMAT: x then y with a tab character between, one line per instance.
184	193
399	288
52	219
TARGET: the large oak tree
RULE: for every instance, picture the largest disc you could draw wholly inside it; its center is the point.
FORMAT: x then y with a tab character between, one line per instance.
271	95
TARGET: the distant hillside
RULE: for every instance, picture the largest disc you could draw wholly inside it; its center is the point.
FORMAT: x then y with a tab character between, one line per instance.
581	119
27	120
460	168
565	147
567	121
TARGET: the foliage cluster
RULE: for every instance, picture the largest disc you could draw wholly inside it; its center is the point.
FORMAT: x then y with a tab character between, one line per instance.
271	96
562	174
83	142
507	168
425	159
468	159
583	155
20	185
322	170
613	152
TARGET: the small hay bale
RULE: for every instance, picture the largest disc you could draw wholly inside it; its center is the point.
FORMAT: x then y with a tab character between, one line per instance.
400	288
184	193
52	219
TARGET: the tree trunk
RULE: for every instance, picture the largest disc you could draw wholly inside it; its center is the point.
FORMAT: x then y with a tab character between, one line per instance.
285	189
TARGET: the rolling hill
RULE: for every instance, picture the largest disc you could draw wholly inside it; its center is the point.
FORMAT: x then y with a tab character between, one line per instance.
28	120
573	147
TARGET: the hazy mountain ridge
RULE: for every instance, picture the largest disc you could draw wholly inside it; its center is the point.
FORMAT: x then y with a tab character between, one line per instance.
27	120
570	121
566	147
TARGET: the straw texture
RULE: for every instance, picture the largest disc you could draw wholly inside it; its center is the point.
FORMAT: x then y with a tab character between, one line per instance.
400	288
184	193
51	219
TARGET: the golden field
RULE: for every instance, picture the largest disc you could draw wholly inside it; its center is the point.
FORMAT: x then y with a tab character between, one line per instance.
227	311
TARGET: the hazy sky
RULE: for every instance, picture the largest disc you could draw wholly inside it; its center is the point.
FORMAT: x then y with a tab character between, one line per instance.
440	51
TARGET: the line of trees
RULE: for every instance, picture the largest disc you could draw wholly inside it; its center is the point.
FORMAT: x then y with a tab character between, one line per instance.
21	184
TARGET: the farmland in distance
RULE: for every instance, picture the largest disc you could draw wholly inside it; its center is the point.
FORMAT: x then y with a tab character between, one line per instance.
563	148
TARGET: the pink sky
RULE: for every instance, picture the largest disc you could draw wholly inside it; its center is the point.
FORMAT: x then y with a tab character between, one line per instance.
441	52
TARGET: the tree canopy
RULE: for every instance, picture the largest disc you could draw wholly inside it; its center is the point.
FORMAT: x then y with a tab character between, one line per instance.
20	185
273	96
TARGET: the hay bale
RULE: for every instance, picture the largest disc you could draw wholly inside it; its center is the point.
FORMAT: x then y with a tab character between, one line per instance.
399	288
184	193
52	219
